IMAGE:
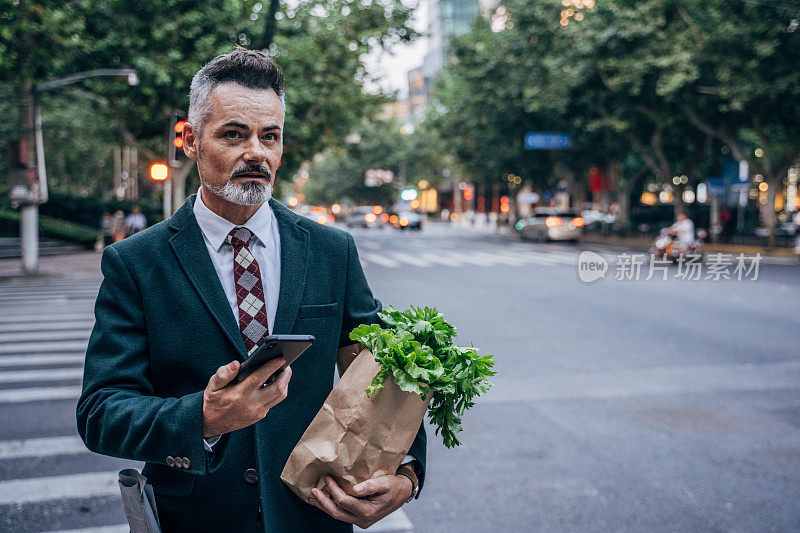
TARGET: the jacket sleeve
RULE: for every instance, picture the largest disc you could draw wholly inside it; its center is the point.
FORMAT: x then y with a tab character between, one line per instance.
361	307
118	413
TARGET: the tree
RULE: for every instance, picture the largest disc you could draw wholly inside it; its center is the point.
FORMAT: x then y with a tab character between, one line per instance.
318	44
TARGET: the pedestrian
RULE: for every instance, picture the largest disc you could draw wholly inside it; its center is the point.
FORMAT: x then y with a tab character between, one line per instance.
136	221
119	228
105	229
181	305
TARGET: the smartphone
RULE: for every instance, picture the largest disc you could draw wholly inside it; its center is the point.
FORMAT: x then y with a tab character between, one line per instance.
287	346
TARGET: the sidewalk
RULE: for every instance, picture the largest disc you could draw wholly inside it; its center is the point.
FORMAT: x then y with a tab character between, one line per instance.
55	265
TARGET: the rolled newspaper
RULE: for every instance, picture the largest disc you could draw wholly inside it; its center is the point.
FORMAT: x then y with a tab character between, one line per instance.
139	502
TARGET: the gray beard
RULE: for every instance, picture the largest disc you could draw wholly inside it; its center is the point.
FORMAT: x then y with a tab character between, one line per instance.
248	193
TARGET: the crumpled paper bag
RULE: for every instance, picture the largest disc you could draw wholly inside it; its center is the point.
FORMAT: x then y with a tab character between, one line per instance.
354	438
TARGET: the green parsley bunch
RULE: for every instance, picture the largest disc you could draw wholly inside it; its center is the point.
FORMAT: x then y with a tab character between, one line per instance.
417	351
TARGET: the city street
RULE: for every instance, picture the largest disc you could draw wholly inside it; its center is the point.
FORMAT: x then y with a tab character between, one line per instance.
619	405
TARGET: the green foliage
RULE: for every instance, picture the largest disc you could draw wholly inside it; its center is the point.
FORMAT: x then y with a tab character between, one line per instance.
319	45
51	227
88	210
339	173
665	81
417	352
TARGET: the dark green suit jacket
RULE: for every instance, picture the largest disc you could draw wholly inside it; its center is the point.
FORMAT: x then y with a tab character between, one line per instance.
163	327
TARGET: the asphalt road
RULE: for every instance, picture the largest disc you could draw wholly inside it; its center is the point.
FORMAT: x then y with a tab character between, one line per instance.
635	405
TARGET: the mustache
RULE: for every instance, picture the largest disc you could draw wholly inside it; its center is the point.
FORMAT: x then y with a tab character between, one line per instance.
252	169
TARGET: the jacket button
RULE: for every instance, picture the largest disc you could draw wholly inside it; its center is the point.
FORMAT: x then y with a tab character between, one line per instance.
170	461
251	476
186	462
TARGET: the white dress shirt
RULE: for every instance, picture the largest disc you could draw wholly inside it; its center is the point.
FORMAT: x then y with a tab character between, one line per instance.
265	247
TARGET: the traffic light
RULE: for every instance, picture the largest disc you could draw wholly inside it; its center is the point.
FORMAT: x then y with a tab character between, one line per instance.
175	147
159	171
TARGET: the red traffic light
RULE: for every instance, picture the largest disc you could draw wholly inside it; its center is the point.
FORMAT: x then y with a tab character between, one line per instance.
179	126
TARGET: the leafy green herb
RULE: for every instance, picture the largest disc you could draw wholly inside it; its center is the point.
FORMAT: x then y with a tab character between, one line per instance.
417	351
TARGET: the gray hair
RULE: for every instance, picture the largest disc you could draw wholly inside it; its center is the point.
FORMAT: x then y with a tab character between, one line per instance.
250	68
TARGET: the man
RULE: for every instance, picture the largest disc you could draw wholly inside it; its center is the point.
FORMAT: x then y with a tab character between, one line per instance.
183	302
136	221
682	229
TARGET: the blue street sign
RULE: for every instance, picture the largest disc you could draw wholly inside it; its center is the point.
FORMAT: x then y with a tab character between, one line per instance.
715	187
546	141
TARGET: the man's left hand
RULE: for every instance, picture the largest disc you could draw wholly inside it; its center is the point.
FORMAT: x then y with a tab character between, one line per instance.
377	498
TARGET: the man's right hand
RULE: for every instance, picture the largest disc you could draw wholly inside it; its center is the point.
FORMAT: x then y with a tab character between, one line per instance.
228	408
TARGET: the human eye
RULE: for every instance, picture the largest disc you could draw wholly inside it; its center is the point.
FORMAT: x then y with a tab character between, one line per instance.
271	136
232	134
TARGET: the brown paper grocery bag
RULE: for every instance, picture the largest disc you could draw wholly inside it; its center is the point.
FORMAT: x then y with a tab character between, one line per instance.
354	437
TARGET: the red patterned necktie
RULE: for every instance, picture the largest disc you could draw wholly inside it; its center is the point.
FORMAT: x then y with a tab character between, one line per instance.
249	289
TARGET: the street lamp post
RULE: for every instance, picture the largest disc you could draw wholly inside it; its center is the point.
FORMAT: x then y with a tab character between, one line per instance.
36	191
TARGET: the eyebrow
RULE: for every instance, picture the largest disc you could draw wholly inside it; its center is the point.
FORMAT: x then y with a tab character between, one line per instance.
244	127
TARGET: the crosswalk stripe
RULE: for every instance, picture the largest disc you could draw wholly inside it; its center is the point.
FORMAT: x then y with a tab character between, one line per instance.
28	347
381	260
439	258
477	258
41	489
19	318
44	359
500	257
24	291
44	325
42	447
45	335
50	374
36	394
410	259
120	528
538	259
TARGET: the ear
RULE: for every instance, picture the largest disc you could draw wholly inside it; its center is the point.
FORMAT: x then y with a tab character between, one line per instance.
191	141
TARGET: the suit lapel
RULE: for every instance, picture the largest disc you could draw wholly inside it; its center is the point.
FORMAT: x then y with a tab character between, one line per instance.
189	247
294	256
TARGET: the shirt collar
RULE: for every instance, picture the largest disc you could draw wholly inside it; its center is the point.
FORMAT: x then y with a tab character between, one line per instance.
216	229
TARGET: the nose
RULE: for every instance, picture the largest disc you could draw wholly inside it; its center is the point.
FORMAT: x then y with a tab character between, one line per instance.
255	152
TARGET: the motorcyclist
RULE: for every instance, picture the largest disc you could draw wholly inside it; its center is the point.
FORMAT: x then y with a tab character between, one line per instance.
683	229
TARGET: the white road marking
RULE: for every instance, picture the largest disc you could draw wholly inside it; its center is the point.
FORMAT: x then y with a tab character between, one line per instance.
45	335
440	258
38	324
19	318
39	347
410	259
504	258
659	380
50	374
42	447
121	528
46	359
42	489
36	394
381	260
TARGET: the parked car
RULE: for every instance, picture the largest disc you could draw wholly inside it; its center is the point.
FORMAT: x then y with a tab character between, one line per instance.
551	227
407	220
365	217
320	215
